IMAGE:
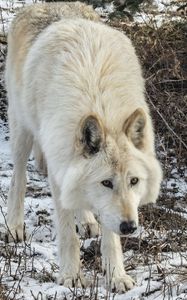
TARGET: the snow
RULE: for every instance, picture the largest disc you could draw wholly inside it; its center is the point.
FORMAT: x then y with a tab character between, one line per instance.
166	8
38	255
162	12
32	268
8	10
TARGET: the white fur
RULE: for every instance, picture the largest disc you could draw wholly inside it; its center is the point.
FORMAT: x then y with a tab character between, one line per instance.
73	69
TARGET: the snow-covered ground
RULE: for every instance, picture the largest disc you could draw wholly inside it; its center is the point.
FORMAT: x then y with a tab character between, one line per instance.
32	267
156	256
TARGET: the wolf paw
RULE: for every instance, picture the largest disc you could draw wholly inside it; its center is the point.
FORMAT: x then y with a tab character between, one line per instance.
122	283
72	281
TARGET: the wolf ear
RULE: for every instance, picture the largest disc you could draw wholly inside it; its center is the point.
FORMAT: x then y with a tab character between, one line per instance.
134	127
91	135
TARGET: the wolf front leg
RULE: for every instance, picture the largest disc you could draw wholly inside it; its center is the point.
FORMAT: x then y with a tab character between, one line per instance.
112	262
21	144
68	242
39	159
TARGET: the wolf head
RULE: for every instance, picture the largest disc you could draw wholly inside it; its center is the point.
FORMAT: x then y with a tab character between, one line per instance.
112	174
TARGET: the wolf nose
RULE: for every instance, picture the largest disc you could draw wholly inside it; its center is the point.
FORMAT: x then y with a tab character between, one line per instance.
128	227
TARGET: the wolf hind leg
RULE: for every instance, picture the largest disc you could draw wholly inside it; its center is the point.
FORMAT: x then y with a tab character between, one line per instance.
21	145
40	161
87	224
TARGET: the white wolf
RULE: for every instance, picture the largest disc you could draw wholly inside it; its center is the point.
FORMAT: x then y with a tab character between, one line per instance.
75	87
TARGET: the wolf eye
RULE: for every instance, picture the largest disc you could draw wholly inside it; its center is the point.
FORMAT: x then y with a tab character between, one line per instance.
134	180
107	183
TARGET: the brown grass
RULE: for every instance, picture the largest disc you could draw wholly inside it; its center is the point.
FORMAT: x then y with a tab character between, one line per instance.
163	53
2	293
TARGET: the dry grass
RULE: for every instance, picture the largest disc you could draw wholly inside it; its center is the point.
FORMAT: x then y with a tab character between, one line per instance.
2	292
162	52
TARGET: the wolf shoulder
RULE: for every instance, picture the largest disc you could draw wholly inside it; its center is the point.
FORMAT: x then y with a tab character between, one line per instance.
79	64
